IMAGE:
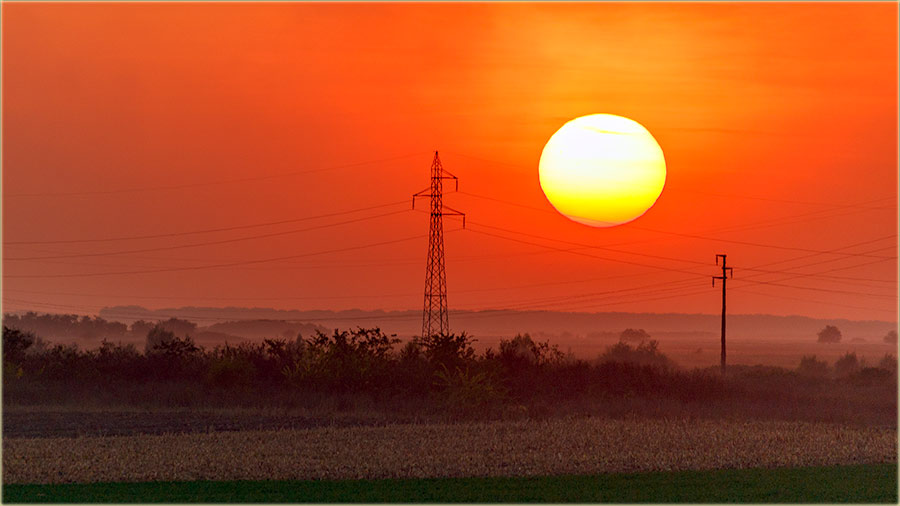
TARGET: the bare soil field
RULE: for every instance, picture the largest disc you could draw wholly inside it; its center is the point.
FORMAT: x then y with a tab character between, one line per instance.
584	445
31	422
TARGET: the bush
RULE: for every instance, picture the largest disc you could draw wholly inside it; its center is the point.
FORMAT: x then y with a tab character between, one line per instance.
888	362
847	365
521	351
464	389
348	360
230	372
646	353
810	367
829	334
447	350
15	342
119	361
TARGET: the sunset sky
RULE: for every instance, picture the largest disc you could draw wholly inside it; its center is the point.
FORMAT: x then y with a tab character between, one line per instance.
312	125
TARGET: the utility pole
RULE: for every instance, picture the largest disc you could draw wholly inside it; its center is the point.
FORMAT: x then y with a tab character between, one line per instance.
726	271
435	316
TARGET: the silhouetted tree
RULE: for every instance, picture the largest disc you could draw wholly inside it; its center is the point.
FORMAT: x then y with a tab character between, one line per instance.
810	367
846	365
15	342
178	326
891	337
646	353
447	350
634	335
156	336
522	350
348	360
888	362
829	334
141	328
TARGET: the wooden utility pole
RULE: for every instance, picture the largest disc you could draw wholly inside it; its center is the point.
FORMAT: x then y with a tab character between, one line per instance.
725	273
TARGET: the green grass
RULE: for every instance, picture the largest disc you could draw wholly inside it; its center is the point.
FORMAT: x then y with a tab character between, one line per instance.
876	483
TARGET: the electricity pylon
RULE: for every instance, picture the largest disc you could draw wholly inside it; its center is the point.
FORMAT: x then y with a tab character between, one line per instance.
725	272
435	317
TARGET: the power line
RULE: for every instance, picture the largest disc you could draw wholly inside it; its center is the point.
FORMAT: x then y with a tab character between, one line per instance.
594	297
679	234
869	308
208	243
723	195
583	254
211	183
214	266
801	257
208	230
815	289
591	246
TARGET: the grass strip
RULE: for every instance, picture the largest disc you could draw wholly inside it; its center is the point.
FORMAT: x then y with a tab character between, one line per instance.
871	483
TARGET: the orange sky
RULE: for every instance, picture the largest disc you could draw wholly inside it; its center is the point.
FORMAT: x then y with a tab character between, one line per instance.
778	123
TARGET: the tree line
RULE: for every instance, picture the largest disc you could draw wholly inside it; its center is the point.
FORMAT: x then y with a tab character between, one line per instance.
442	368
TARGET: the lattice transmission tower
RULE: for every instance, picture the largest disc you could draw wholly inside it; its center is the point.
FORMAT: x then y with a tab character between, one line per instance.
435	317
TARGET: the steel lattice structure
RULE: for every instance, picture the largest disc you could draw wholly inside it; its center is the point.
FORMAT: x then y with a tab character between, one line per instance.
435	317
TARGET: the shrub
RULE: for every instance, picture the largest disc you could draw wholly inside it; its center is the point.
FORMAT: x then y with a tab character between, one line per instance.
846	365
348	360
888	362
447	350
646	353
810	367
465	389
829	334
230	372
15	342
522	351
120	361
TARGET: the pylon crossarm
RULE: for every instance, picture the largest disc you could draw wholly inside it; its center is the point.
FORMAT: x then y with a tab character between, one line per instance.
420	194
453	212
447	175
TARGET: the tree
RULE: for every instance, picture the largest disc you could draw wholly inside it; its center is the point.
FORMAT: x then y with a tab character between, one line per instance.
891	337
634	335
646	353
846	365
15	342
178	327
141	328
522	350
829	334
156	337
448	350
162	341
810	367
888	362
349	359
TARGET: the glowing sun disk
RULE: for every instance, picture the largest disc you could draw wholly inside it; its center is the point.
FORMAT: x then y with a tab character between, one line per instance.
602	170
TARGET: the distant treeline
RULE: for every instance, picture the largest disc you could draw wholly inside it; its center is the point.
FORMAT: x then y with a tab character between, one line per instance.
87	329
441	368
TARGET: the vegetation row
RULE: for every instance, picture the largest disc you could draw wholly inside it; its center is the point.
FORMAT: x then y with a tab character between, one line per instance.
440	367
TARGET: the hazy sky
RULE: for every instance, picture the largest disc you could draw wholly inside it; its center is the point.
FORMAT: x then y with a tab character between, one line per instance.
778	123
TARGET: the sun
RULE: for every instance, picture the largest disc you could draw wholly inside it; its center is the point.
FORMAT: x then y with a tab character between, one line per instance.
602	170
